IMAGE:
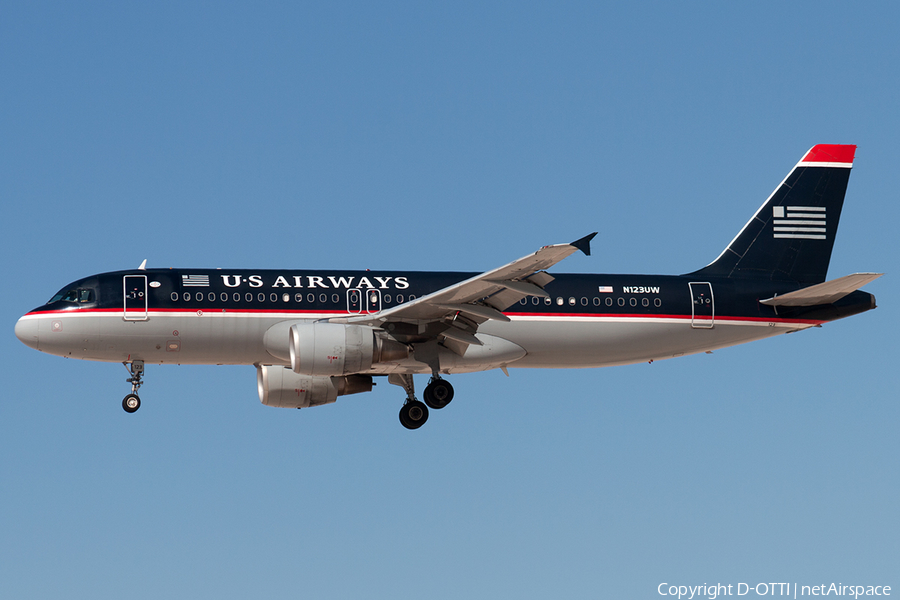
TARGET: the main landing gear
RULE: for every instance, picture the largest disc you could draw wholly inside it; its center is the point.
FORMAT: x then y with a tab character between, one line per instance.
438	393
413	414
136	369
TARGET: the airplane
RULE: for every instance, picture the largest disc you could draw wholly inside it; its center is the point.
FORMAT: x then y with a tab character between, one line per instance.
316	335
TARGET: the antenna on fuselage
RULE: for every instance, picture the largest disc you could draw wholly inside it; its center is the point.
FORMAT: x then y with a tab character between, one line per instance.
143	266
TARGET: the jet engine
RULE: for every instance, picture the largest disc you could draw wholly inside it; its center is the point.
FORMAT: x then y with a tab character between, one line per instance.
281	387
319	349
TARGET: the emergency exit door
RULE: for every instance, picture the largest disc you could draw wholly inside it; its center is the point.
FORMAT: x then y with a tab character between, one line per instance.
134	288
703	306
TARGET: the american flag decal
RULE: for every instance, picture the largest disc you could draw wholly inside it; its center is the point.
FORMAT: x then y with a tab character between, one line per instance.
195	280
799	222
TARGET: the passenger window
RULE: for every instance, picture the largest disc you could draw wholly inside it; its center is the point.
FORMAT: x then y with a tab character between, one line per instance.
621	301
572	301
548	301
633	301
560	301
335	298
645	302
584	301
399	298
223	296
236	297
174	296
535	300
273	297
387	298
261	297
596	301
310	298
248	297
211	296
609	301
323	298
657	303
298	297
187	296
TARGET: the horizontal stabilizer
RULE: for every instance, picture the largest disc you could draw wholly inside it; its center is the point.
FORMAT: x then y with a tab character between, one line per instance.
823	293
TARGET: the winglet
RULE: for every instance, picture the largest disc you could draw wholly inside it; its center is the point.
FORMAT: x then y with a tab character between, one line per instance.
143	266
584	244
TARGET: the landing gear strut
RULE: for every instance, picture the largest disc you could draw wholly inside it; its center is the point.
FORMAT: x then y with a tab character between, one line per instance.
136	369
413	413
438	393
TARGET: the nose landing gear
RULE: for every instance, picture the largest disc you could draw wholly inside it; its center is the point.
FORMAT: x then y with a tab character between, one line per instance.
136	369
131	403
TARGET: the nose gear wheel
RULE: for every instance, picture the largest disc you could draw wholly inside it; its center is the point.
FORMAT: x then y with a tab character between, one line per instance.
132	401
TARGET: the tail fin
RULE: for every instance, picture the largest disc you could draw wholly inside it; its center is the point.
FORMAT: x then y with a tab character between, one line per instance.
791	235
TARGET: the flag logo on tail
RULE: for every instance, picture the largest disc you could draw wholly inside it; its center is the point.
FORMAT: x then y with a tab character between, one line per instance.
799	222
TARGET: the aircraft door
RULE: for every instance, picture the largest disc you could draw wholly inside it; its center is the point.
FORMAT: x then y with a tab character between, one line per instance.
134	288
373	301
703	308
354	301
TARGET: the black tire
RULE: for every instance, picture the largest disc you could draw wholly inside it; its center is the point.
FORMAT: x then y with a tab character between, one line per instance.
438	394
131	403
413	414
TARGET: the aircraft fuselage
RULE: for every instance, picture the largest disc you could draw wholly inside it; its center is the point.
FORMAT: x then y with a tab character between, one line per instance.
197	316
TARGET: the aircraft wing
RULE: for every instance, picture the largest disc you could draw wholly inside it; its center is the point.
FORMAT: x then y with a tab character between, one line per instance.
463	306
823	293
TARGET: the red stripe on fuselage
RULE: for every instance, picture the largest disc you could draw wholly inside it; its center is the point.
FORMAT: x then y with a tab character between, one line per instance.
543	315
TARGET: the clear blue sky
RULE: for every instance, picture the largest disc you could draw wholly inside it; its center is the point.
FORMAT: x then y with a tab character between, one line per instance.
453	136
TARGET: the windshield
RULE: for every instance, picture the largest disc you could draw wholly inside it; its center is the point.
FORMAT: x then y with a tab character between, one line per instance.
79	295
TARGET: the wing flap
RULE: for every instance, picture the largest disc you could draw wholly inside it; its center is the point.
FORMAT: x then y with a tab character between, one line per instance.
823	293
479	311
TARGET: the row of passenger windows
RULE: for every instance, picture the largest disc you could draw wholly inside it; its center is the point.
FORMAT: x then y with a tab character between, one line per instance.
273	297
336	298
597	302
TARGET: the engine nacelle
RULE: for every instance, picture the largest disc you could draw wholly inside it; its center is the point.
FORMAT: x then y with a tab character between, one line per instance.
320	349
281	387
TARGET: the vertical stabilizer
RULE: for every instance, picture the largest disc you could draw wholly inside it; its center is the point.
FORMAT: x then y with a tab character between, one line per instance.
791	236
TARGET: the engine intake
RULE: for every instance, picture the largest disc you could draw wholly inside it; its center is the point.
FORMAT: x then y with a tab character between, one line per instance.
281	387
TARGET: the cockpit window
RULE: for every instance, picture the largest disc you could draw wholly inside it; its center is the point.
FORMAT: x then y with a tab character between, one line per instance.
79	295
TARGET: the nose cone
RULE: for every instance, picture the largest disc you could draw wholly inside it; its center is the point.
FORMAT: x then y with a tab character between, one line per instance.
27	331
